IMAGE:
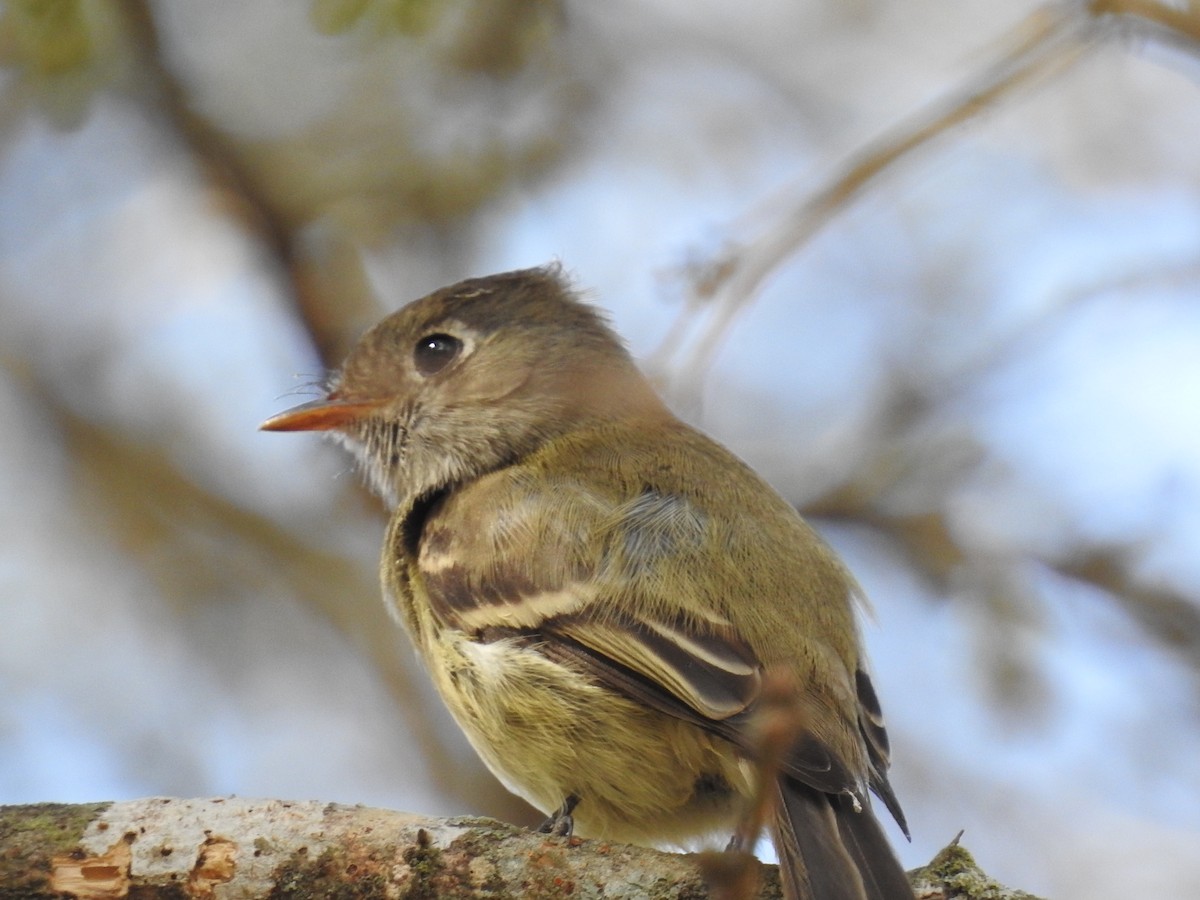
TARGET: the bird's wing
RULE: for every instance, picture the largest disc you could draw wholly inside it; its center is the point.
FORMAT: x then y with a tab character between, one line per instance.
870	725
587	579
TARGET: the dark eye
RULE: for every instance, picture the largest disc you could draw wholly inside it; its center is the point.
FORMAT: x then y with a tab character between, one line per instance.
434	352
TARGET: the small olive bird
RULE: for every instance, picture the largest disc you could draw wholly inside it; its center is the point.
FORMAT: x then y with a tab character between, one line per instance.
597	589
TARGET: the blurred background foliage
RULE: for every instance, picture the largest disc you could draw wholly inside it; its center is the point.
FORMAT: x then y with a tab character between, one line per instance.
930	266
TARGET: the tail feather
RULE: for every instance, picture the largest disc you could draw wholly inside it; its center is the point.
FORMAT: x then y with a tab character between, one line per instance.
828	851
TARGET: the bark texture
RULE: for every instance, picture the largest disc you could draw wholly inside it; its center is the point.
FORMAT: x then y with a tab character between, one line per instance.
236	848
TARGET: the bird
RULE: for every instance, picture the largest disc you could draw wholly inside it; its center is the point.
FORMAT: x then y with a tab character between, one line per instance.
597	589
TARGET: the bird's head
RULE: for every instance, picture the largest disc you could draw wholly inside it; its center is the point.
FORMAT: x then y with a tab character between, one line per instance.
470	378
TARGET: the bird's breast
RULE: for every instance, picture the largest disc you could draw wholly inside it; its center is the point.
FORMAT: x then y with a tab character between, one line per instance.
547	730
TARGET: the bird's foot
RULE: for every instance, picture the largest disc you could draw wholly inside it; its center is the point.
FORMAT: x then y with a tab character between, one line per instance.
561	824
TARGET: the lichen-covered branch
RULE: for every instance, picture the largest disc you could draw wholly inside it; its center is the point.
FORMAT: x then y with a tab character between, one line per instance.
238	848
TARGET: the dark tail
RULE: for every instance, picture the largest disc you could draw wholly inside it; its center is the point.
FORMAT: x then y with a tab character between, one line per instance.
828	851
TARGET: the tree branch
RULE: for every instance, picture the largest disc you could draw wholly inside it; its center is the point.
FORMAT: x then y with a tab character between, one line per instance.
233	847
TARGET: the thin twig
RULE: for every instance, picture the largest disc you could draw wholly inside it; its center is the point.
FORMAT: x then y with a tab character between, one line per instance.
1048	41
228	172
1178	22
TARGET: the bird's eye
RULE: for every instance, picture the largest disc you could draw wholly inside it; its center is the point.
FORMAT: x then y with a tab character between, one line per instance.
434	352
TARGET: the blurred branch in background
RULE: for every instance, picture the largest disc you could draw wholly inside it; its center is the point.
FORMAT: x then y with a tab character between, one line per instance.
317	199
1049	40
319	214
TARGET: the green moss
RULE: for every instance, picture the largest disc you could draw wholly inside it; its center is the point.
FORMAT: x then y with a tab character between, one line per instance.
433	874
955	869
425	862
335	874
31	835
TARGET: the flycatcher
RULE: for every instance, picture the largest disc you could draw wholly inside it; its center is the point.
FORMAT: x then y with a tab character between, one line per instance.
597	589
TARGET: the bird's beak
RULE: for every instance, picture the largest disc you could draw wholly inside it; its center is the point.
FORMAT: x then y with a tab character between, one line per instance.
321	415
